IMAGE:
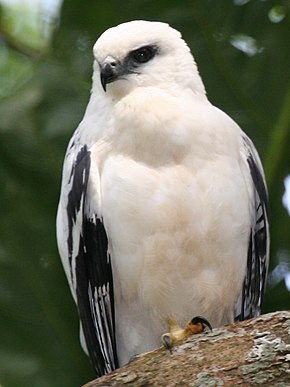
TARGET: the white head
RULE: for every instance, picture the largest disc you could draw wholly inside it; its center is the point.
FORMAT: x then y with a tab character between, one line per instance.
143	54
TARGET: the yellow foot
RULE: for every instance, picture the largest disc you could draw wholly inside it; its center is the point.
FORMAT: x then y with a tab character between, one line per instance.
176	334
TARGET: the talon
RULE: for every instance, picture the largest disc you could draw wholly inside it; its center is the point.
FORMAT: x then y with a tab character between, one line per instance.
134	357
166	341
197	325
173	336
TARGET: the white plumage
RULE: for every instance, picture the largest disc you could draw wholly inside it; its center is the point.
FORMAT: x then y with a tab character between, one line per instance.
163	202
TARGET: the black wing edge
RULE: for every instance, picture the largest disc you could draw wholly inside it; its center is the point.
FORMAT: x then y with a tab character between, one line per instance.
93	272
258	250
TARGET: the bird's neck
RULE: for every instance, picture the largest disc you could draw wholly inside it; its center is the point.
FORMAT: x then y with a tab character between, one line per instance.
148	125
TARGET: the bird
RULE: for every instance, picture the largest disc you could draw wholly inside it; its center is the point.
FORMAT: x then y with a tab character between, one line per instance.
163	203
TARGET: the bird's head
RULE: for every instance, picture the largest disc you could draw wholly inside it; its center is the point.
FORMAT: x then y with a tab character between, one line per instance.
143	54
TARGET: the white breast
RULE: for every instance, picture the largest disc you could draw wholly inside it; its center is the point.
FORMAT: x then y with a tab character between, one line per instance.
177	231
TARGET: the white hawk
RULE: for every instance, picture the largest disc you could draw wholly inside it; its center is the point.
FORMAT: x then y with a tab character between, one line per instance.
163	205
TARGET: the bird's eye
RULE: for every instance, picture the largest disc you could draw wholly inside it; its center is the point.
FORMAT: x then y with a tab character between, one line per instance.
143	54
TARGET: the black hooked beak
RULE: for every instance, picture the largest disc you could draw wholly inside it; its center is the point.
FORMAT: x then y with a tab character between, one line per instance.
110	71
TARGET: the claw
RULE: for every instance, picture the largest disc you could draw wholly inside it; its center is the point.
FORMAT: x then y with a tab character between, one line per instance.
167	342
134	357
174	335
197	325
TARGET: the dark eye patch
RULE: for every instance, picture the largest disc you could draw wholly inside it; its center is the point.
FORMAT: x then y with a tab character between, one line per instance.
143	54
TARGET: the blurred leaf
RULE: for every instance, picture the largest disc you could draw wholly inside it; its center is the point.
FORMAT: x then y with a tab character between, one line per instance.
28	24
15	69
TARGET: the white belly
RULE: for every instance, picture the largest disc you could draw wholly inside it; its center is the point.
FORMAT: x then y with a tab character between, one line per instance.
178	242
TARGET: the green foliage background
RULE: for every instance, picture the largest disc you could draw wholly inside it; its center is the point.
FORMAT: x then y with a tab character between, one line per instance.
44	88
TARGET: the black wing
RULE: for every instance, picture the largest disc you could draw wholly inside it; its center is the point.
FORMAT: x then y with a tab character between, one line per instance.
93	272
251	298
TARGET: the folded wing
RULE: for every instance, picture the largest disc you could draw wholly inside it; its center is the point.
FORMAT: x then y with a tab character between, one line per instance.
88	263
251	297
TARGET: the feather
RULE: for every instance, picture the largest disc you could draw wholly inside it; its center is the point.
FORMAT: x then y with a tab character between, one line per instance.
94	282
251	297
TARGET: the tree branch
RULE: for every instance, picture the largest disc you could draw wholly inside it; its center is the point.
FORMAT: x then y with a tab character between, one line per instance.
253	352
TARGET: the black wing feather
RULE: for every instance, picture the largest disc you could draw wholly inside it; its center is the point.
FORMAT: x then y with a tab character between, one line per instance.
258	249
93	272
